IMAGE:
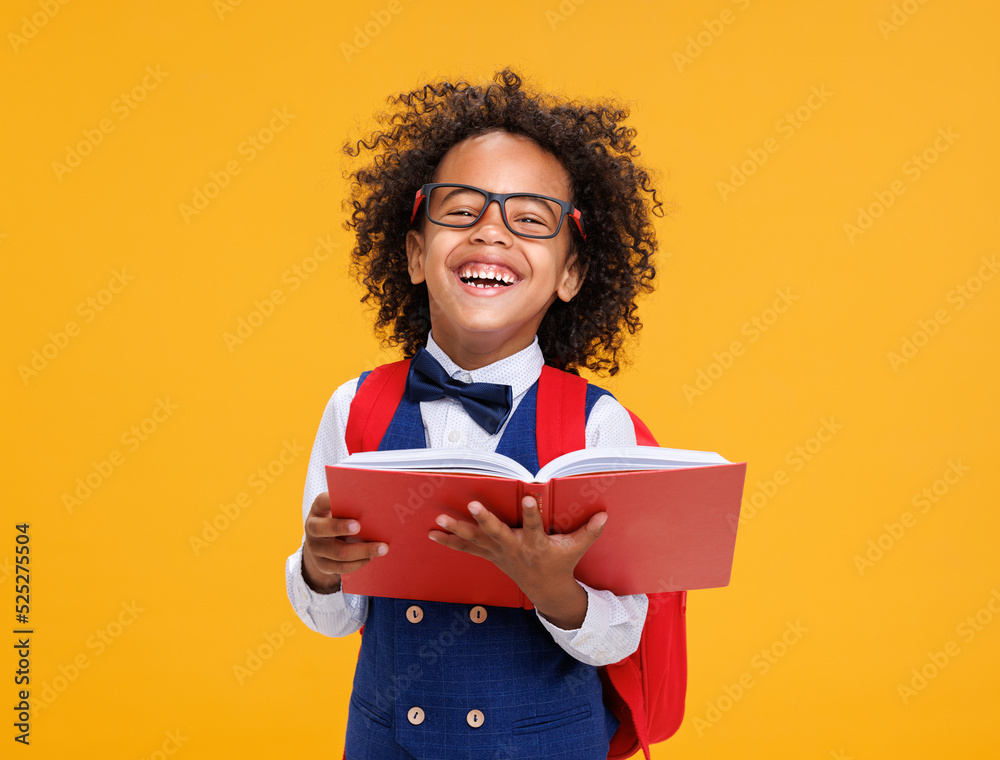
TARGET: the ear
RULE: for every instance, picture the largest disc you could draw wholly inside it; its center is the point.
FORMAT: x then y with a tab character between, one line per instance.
572	277
415	254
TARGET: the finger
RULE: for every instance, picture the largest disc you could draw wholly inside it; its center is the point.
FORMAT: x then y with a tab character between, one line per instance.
321	505
331	555
469	531
330	567
332	527
531	515
344	526
318	519
343	551
458	544
490	524
534	538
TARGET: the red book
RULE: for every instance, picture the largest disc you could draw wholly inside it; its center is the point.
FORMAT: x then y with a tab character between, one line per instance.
672	518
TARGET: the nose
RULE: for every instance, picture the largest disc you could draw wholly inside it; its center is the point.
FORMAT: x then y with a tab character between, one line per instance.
490	229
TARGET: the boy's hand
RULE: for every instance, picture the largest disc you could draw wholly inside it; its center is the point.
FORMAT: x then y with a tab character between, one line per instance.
325	554
540	564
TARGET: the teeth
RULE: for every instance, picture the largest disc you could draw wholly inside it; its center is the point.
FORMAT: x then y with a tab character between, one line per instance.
485	272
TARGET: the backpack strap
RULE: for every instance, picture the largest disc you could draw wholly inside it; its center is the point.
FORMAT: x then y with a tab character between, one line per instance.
373	406
561	424
623	694
643	437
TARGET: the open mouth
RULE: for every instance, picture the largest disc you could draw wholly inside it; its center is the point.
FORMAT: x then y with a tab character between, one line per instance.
487	276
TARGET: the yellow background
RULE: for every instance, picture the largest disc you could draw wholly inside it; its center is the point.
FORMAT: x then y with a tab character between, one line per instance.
175	673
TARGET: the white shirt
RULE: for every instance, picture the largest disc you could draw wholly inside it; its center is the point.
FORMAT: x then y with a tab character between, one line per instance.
613	624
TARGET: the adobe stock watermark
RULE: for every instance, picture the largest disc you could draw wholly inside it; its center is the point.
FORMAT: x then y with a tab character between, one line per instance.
223	7
936	661
901	13
122	107
591	494
87	310
923	501
258	481
248	150
796	458
31	25
702	40
584	679
752	330
418	497
760	665
292	278
258	655
790	123
913	169
96	644
370	29
103	469
958	297
173	741
565	9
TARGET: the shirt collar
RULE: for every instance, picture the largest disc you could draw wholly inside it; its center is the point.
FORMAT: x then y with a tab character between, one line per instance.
519	371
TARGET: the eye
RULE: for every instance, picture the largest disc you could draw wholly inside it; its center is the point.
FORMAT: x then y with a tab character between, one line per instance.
456	205
460	212
526	219
533	214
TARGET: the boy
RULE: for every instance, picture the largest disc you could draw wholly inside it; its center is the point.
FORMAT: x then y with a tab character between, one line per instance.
496	231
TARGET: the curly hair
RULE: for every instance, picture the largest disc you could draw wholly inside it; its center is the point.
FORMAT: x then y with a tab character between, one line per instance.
610	188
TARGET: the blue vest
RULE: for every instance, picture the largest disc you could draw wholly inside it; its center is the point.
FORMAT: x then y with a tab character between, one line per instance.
439	680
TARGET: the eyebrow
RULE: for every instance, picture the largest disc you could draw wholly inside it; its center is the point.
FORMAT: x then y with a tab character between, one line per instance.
538	198
457	191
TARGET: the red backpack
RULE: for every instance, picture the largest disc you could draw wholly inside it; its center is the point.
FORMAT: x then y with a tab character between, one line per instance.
645	691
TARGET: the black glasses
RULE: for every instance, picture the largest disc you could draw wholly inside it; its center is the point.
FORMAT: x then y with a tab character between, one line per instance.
525	214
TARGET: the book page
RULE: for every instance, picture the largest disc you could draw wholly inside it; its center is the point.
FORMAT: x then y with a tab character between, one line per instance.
623	458
458	461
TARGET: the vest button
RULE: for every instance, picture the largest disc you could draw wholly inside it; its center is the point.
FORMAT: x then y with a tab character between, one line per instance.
474	718
416	716
414	614
478	615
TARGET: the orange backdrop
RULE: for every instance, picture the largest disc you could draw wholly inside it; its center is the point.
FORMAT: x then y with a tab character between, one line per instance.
178	311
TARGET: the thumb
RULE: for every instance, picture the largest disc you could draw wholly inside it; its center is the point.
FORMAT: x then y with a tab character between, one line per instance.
586	535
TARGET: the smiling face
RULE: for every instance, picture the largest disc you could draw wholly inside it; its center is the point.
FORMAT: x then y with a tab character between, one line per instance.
489	288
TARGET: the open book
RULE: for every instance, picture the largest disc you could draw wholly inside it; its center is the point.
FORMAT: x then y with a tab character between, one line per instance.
672	517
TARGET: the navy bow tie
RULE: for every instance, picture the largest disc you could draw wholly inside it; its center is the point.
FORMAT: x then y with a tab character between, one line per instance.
487	403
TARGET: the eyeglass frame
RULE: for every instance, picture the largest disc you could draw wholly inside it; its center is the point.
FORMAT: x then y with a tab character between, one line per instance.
568	209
